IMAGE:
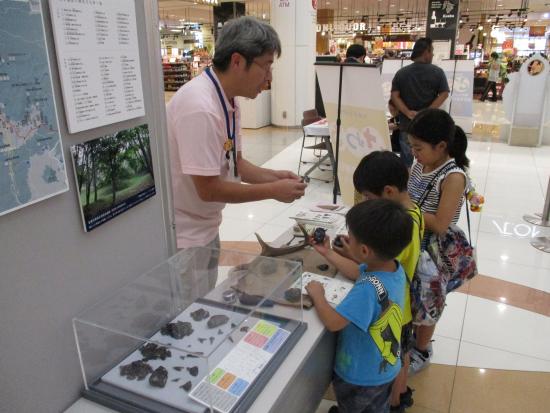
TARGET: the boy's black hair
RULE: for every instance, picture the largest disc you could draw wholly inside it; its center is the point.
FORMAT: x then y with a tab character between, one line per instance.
378	169
420	46
382	225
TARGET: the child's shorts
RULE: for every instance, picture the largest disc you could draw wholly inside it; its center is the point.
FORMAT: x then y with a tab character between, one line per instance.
428	292
361	399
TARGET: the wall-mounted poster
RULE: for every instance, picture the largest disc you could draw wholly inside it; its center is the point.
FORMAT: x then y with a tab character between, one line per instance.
32	167
98	56
113	174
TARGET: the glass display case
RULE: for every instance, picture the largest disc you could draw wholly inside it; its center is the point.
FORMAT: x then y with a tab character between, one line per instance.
203	331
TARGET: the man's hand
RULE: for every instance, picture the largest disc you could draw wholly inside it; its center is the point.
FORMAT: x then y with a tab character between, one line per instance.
288	190
315	290
411	114
322	248
285	175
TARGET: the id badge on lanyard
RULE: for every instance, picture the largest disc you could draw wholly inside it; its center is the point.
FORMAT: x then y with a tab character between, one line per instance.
230	145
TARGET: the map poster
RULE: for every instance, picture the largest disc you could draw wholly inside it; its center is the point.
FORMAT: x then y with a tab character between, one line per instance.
98	56
113	174
32	167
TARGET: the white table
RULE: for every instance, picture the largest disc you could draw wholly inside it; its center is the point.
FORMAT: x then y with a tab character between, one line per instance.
299	383
319	128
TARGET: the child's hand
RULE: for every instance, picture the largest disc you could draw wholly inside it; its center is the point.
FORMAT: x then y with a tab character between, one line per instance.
315	290
323	248
344	250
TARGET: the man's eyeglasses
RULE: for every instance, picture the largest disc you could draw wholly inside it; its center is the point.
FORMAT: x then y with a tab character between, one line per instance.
266	68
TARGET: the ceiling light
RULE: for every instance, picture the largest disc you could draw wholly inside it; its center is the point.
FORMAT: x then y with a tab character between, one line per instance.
489	20
345	8
480	27
482	371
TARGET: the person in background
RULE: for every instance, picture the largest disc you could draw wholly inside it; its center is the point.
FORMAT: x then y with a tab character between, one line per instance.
493	78
393	125
204	135
417	86
355	54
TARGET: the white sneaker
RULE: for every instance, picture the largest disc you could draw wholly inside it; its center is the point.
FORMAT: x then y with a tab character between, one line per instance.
419	361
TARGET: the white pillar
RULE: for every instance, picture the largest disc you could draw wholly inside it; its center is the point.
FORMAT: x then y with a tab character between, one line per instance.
293	86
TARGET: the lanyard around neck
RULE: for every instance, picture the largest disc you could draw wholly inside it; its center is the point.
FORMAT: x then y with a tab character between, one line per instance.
230	134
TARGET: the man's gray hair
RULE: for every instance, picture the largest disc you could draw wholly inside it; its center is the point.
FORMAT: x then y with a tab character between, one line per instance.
247	36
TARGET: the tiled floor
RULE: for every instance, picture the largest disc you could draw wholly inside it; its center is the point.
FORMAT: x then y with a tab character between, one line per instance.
492	345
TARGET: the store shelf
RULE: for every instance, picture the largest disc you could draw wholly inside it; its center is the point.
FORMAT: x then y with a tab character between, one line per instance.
176	75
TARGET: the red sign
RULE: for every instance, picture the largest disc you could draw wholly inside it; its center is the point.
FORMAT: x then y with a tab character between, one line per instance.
508	44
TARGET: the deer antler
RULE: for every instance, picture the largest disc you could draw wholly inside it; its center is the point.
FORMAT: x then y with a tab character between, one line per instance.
269	251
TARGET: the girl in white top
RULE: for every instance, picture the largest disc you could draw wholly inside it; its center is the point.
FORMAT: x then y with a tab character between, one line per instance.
437	183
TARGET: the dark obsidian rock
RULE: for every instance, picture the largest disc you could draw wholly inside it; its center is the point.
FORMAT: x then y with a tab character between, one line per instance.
192	356
200	314
177	330
220	332
201	340
233	325
338	241
151	351
176	380
217	321
179	368
322	267
250	299
186	386
319	235
136	370
245	329
159	377
193	371
293	295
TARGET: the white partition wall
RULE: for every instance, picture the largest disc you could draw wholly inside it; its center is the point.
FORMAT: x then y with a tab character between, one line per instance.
52	269
293	86
526	102
364	127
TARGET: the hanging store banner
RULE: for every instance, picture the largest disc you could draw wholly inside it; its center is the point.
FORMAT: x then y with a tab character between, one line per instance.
462	94
364	127
442	22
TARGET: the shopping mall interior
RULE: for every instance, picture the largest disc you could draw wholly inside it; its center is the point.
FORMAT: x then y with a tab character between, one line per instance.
88	281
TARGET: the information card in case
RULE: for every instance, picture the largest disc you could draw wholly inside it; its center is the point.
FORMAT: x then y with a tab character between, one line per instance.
168	343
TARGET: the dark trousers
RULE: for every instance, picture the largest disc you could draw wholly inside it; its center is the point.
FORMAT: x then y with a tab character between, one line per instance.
490	86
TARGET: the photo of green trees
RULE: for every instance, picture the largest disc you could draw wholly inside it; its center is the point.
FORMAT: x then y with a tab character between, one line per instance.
113	174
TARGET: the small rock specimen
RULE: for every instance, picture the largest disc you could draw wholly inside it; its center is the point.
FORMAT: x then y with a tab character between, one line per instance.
177	330
338	242
220	332
233	325
293	295
176	380
249	299
322	267
186	386
319	235
136	370
151	351
193	371
201	340
159	377
200	314
182	357
179	368
245	329
217	320
211	340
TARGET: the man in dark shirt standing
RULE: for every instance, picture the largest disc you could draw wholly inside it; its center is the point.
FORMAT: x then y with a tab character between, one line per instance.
415	87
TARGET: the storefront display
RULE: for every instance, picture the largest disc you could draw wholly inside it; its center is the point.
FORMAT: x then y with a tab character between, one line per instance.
161	345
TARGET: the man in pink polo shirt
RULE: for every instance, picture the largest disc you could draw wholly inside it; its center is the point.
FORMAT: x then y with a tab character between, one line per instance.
204	135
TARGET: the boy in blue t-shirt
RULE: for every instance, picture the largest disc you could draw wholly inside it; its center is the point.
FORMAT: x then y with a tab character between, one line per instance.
370	317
